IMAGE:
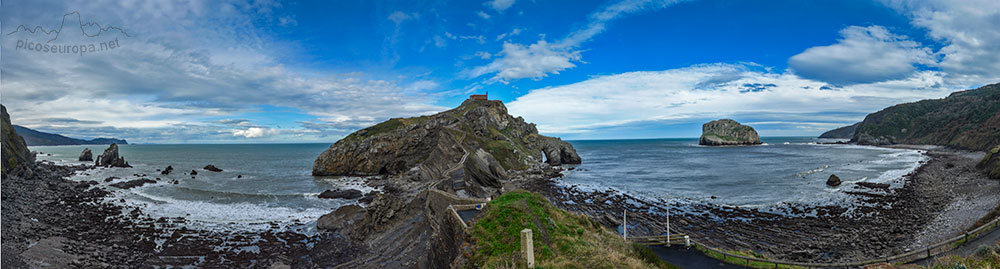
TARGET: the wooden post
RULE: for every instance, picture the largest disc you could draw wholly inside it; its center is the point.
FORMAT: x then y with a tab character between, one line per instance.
687	241
527	248
625	224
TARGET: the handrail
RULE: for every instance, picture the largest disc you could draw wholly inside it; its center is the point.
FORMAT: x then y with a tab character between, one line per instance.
975	233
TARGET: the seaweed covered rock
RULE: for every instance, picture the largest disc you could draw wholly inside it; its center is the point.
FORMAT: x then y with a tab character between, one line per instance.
727	132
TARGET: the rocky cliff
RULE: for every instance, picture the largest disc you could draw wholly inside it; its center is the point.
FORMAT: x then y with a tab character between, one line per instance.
967	119
846	132
991	163
15	151
727	132
427	147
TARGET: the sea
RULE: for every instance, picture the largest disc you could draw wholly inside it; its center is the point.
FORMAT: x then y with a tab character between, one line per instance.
264	186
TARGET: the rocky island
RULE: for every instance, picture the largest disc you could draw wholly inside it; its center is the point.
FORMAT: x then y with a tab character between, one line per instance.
727	132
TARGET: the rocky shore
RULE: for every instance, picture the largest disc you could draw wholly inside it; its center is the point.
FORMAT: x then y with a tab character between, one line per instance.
939	200
49	221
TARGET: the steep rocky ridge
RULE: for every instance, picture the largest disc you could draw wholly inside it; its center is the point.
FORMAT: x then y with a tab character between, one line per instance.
423	148
727	132
846	132
15	151
967	119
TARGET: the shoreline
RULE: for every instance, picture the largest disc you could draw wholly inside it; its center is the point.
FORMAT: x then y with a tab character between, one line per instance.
70	223
883	222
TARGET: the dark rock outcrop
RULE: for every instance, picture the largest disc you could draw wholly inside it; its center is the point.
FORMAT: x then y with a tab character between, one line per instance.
341	194
833	181
991	163
86	155
966	119
427	146
37	138
726	132
110	158
846	132
15	151
194	173
342	218
132	183
483	173
212	168
166	171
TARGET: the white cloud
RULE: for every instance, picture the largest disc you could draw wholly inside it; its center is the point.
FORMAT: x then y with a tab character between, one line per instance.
541	59
483	15
171	82
500	5
535	61
710	91
969	30
255	132
399	17
862	55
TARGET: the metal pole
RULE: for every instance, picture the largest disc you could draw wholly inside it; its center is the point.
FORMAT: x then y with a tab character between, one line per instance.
625	224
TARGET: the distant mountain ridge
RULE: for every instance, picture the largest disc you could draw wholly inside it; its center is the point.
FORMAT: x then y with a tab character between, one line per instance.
846	132
36	138
967	119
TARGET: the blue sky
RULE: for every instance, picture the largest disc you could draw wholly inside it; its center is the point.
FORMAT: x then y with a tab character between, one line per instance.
272	71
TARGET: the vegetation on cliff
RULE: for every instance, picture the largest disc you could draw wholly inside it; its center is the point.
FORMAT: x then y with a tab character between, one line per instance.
561	239
991	162
727	132
425	147
845	132
15	151
967	119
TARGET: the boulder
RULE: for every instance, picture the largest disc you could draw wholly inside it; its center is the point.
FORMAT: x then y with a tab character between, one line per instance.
726	132
86	155
341	194
343	217
212	168
110	158
194	173
483	170
167	170
833	181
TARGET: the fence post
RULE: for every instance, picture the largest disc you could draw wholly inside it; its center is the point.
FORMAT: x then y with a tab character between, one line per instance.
527	248
687	241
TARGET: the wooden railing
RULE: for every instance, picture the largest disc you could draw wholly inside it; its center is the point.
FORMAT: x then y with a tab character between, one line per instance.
674	239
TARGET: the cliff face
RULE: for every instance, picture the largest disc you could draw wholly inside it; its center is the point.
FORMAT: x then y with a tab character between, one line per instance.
727	132
15	151
991	163
426	147
966	119
842	132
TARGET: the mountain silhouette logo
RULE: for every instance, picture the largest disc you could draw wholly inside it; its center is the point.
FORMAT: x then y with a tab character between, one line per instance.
83	28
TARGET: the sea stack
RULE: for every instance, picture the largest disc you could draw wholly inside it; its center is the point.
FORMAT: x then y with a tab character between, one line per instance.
727	132
86	155
110	158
